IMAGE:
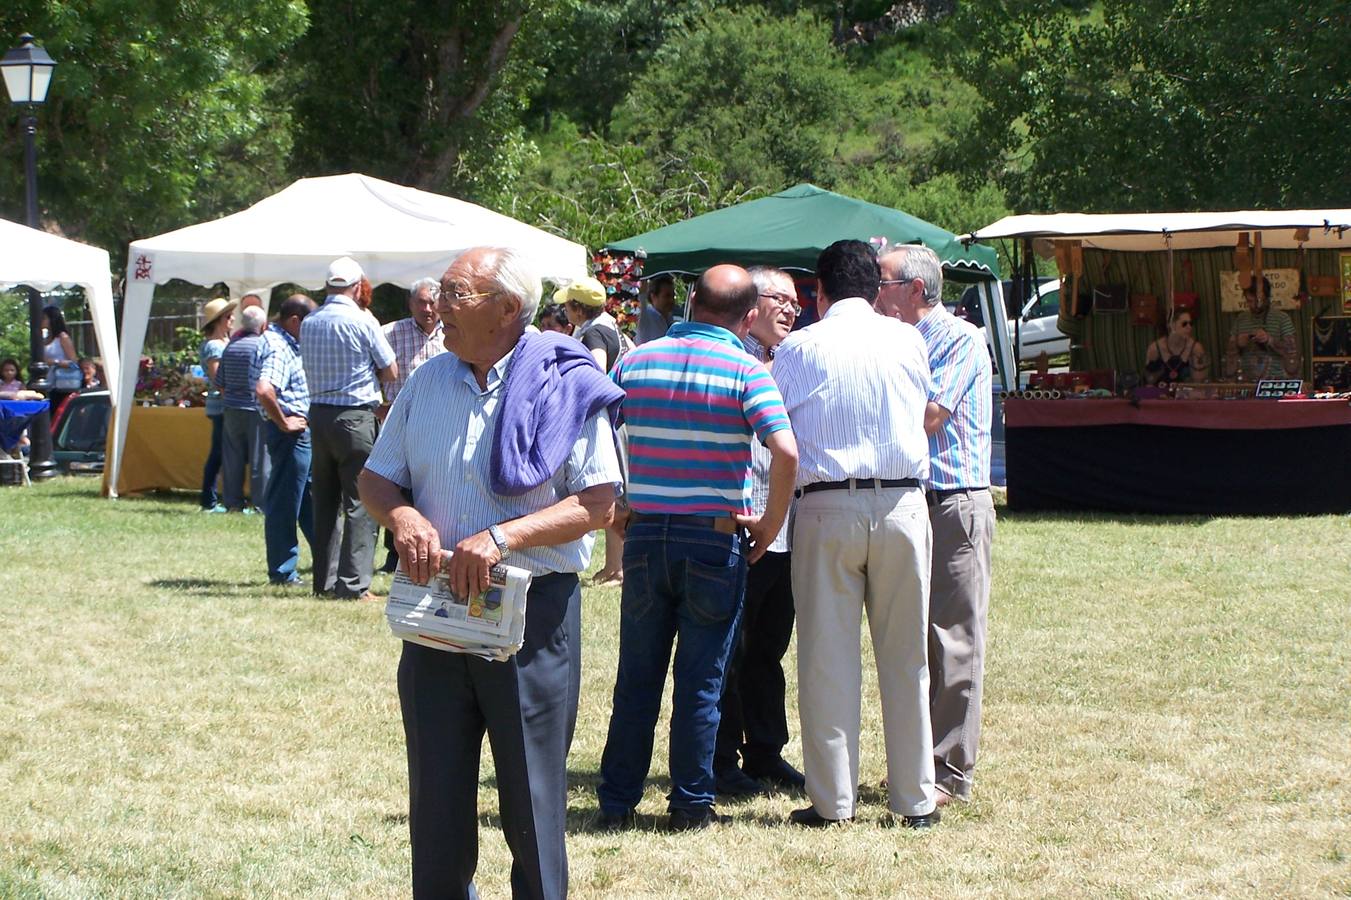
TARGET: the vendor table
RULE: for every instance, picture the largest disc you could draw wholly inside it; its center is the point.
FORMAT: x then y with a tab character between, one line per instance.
1254	457
166	448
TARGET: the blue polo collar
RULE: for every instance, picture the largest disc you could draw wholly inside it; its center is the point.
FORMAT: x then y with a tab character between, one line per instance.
705	330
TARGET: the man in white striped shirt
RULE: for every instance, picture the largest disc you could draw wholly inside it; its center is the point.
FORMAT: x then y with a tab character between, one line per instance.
856	386
960	509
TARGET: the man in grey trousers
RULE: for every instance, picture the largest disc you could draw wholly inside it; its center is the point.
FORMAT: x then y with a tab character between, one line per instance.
345	356
961	511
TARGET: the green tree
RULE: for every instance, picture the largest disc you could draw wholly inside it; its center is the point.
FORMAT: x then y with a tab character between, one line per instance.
764	96
160	114
421	92
594	191
1159	104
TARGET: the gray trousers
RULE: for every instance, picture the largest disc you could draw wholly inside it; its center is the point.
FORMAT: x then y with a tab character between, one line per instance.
344	532
528	708
959	598
242	446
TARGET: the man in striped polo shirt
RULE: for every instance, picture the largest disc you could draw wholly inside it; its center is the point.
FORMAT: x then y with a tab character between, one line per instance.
960	509
692	401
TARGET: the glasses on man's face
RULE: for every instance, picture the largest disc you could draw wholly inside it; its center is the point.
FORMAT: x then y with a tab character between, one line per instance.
455	296
1186	324
783	301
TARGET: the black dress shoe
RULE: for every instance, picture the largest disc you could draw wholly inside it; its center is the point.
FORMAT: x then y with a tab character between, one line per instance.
778	773
693	819
616	821
736	783
925	821
813	819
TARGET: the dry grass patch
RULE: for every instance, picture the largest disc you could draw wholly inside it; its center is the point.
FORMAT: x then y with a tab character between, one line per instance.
1167	714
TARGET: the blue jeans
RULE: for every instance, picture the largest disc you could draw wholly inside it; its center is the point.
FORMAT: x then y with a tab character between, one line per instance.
685	582
287	501
211	471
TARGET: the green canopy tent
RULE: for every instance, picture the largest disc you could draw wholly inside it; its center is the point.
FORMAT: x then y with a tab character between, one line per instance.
789	230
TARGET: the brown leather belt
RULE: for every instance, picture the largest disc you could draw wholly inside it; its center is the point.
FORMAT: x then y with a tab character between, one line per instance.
722	524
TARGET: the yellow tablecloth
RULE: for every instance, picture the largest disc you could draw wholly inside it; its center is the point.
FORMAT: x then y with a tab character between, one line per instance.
166	447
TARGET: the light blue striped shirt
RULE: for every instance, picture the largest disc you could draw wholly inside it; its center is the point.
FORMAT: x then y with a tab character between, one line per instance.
960	450
278	360
437	441
343	347
855	384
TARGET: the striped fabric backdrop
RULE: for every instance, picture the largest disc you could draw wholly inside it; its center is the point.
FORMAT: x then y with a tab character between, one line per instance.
1110	341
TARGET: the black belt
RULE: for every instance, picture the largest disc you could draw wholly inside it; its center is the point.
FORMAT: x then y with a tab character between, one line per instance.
940	496
723	524
857	483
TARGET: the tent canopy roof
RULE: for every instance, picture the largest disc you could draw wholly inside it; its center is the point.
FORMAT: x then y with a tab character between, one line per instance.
397	233
1185	230
791	228
45	261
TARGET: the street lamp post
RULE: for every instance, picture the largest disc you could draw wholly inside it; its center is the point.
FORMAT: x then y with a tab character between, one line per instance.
27	71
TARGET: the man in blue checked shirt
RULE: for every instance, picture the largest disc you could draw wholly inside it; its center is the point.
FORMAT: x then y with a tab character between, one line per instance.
961	511
284	403
346	357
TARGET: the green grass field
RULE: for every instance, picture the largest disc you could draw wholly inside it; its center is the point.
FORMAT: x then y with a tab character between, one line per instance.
1168	713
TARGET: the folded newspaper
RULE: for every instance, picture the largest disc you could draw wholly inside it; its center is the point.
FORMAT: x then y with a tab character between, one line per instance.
490	626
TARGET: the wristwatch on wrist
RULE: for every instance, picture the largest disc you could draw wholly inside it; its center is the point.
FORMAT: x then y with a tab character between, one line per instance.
500	540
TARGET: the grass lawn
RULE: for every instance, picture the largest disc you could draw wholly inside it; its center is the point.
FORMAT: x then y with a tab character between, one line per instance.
1168	712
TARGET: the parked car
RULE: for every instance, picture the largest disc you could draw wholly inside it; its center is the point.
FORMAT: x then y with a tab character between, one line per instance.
1039	331
80	434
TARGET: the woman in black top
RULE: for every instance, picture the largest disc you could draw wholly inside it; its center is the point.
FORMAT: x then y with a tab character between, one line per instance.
1177	356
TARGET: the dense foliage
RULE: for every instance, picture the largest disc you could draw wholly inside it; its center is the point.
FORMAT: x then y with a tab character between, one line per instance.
602	119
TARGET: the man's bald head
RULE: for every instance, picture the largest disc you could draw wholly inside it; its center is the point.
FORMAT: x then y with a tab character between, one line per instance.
723	295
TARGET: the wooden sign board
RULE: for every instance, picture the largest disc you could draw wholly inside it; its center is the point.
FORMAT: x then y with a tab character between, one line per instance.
1345	260
1284	286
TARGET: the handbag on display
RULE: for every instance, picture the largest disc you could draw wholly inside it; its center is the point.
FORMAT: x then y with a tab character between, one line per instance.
1324	285
1109	298
67	378
1144	309
1187	298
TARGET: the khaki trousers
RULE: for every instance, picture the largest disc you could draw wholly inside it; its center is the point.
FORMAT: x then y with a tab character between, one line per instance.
855	550
959	598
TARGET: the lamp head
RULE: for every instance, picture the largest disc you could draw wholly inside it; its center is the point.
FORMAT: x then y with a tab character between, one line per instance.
27	71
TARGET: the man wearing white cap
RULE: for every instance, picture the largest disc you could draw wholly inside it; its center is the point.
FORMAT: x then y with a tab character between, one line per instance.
345	357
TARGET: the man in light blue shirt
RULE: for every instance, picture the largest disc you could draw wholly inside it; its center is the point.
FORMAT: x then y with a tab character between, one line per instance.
430	480
961	511
284	403
346	357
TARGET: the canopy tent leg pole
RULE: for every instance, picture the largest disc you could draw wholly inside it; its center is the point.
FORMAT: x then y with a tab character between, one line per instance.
992	308
135	317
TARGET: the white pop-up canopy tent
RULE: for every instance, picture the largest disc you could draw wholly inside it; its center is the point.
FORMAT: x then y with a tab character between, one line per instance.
398	234
1179	230
45	261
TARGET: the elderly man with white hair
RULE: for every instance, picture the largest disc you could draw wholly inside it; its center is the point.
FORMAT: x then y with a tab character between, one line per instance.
961	511
242	439
415	340
501	470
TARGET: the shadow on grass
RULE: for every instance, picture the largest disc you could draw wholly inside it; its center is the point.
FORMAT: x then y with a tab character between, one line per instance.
215	587
1121	518
177	502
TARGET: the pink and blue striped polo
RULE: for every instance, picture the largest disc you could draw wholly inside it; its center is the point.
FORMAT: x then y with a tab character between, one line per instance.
691	402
